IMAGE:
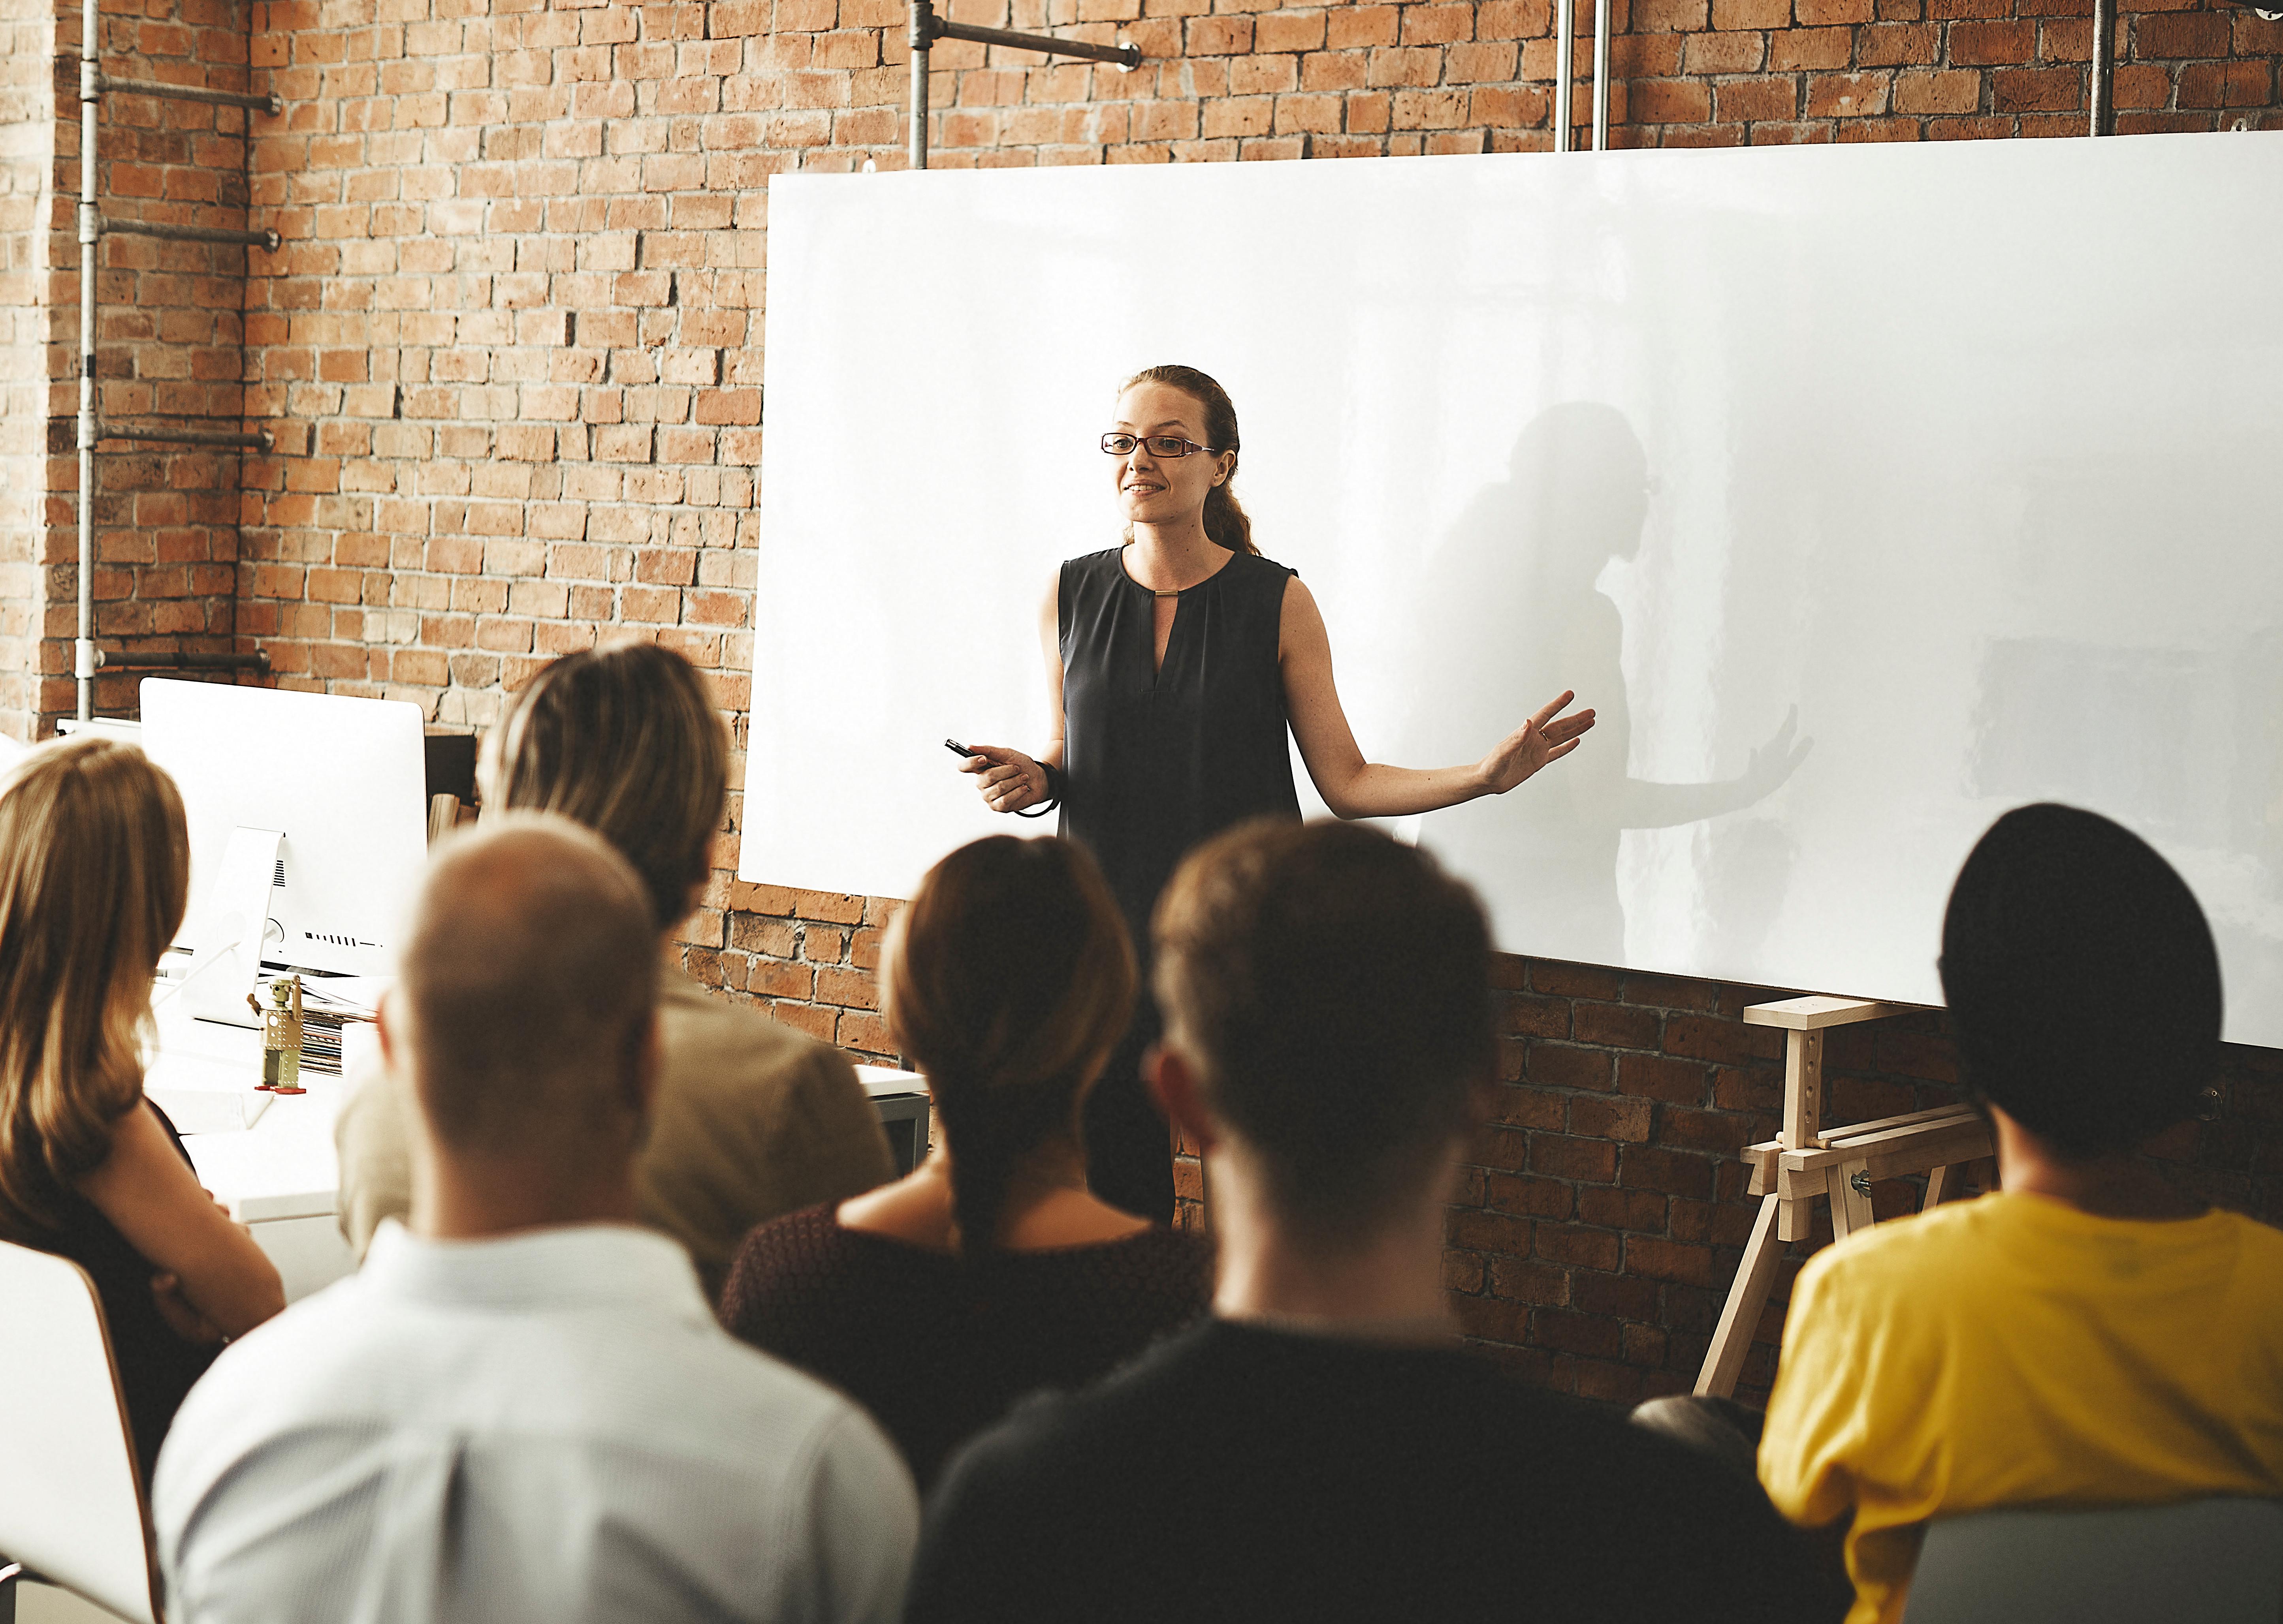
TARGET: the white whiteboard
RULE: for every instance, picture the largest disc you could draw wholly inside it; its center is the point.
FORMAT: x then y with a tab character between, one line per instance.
1964	456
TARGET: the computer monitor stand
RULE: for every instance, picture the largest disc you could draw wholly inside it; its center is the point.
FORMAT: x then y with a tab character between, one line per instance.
227	956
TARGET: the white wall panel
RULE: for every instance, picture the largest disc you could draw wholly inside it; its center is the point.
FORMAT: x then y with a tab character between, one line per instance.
1867	491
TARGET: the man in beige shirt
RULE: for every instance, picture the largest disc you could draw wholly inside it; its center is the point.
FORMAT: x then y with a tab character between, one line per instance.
752	1120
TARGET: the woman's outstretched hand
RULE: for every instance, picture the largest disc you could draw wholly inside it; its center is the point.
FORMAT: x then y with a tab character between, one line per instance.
1547	736
1010	781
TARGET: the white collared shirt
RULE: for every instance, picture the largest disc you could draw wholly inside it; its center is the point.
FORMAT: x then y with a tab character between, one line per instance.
546	1427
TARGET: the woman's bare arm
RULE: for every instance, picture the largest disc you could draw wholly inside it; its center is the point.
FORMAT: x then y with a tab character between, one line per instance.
152	1198
1354	787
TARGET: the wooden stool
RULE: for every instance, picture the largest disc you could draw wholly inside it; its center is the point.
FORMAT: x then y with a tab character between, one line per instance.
1803	1163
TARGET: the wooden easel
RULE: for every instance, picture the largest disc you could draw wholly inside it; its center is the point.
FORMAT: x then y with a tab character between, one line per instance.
1804	1163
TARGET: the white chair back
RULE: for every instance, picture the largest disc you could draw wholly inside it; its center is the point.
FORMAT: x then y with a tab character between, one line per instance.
2217	1561
71	1499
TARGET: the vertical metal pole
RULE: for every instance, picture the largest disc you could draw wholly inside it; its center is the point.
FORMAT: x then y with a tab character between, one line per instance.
1600	75
90	73
2104	55
922	37
1565	33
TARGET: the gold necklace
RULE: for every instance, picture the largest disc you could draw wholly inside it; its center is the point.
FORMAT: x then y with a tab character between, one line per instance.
1176	592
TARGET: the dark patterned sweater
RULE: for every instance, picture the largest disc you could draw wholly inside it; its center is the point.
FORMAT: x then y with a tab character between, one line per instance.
938	1352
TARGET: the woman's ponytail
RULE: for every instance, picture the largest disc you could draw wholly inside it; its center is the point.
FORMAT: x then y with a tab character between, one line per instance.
1225	521
1009	979
990	1132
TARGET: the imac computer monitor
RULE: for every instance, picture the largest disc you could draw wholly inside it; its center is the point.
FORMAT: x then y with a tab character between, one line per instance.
343	780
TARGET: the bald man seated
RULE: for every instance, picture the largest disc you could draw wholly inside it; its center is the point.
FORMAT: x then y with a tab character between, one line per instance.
521	1409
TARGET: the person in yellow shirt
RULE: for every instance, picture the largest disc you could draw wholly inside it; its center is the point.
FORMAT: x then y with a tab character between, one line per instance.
2090	1336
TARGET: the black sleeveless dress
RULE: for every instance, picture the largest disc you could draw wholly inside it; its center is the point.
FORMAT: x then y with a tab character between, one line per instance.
156	1367
1156	760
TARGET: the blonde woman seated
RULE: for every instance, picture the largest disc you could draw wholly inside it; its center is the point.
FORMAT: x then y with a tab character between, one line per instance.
751	1119
94	873
991	1271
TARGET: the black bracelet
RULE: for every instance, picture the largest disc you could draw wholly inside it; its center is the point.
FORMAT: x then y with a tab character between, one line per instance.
1055	779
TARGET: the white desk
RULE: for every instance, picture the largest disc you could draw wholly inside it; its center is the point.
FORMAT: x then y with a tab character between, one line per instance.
281	1177
278	1178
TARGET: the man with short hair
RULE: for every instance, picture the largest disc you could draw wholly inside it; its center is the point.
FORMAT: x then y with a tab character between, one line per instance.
521	1407
2091	1335
1322	1449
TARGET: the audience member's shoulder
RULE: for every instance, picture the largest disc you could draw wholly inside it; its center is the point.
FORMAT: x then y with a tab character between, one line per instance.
328	1329
1932	1250
1723	1553
1539	1433
811	1230
2260	1272
2262	1243
796	1403
800	1246
1028	1476
1963	1244
1051	1431
775	1427
1214	1373
1164	1240
373	1120
1166	1259
297	1366
752	1396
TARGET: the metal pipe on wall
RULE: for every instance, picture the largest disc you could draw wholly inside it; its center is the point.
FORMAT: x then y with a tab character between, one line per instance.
1600	75
927	28
266	238
2104	63
83	657
922	37
257	440
1123	57
87	659
269	102
258	660
1565	33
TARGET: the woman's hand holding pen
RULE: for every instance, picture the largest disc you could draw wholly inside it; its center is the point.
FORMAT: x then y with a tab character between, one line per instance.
1010	781
1547	736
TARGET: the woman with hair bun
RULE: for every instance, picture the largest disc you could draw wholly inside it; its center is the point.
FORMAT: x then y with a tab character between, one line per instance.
991	1271
1175	664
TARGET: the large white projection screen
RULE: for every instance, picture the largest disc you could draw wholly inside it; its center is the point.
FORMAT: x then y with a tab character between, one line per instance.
1865	492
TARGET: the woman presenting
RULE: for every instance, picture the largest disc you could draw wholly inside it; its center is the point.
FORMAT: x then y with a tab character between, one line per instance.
1174	664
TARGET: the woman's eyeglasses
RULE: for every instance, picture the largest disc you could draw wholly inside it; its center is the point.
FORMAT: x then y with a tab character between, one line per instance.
1156	444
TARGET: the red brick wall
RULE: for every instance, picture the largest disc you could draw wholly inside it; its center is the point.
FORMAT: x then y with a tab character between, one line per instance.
168	349
512	350
1247	80
27	151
